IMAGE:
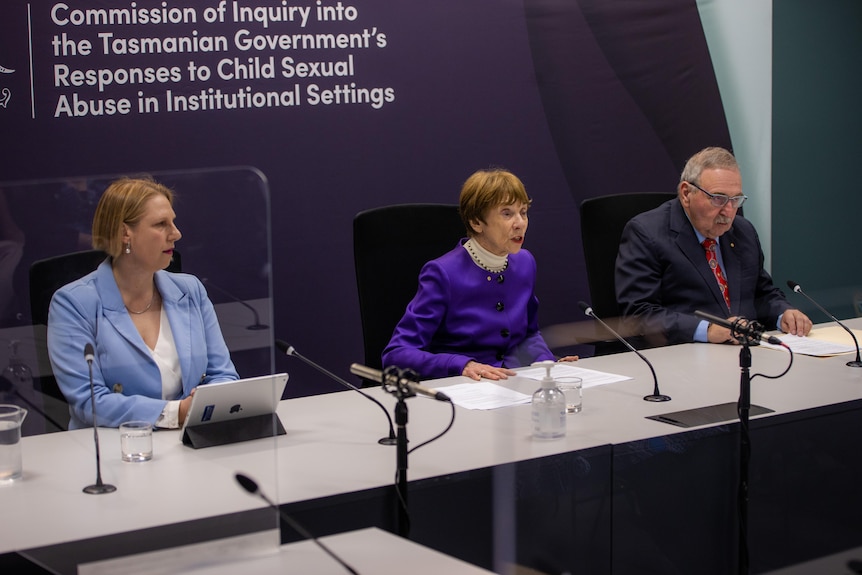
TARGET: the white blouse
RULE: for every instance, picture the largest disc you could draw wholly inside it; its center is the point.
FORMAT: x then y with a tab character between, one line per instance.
166	357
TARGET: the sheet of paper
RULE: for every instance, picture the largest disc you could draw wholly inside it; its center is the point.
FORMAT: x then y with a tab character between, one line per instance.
836	334
590	377
812	345
484	395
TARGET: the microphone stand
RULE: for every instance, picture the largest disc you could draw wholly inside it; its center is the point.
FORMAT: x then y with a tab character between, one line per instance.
288	349
743	407
395	382
97	488
746	333
656	396
256	326
798	289
251	486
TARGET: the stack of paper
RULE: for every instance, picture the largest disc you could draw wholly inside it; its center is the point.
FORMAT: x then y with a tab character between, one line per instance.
487	395
821	342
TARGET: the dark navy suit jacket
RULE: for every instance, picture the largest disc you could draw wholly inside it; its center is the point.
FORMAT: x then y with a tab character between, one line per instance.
662	276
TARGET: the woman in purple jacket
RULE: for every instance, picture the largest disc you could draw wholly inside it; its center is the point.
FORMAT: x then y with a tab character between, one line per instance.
475	312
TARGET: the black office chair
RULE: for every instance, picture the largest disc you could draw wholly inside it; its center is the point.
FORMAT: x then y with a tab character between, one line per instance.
602	222
46	277
390	246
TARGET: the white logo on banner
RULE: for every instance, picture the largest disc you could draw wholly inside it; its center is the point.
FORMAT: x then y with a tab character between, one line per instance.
5	93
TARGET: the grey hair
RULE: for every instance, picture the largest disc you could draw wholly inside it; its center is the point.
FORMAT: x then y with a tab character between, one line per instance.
707	159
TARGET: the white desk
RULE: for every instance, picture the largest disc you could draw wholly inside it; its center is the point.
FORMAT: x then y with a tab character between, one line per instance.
331	446
836	564
368	551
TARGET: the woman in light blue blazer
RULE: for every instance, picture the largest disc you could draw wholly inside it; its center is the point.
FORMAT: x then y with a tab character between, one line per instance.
155	333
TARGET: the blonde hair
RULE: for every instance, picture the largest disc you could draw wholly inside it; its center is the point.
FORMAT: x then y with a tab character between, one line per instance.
487	189
123	203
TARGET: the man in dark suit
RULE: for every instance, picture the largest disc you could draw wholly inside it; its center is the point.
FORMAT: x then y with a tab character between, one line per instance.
668	266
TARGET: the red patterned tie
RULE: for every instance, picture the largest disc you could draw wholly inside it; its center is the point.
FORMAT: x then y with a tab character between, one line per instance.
712	260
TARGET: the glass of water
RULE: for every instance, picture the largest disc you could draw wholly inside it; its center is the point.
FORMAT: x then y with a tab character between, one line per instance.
11	417
136	441
572	388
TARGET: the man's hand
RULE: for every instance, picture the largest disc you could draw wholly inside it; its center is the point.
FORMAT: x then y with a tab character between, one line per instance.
718	334
795	322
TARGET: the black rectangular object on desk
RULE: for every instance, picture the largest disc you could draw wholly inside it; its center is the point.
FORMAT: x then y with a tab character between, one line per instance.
233	431
708	415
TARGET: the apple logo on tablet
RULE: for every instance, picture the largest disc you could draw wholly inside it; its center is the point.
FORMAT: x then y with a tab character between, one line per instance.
236	408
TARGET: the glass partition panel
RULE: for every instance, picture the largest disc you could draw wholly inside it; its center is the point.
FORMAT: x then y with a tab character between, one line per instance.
183	496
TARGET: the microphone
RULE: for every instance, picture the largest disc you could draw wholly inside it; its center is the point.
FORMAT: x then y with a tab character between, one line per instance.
97	488
256	325
250	485
288	349
387	379
656	395
798	289
741	326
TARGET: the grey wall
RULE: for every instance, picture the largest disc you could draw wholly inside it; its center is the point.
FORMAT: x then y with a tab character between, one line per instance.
817	148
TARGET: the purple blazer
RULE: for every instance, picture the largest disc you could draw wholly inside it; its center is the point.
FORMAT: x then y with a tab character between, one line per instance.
462	312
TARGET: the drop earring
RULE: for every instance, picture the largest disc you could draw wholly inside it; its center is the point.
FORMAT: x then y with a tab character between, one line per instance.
128	249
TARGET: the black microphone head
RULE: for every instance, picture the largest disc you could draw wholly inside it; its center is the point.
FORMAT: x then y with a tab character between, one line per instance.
794	286
247	483
585	307
89	353
284	347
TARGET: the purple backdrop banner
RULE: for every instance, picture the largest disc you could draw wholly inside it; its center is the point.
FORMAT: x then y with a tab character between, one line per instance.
344	106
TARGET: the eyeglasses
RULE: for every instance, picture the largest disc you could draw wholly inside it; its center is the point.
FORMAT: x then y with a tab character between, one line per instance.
719	200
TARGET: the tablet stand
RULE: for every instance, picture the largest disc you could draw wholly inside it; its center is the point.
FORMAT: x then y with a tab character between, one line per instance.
233	431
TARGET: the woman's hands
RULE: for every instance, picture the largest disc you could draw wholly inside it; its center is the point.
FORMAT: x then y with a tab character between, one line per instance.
476	371
185	405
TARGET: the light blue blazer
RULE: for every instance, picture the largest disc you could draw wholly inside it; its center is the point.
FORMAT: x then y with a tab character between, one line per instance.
127	381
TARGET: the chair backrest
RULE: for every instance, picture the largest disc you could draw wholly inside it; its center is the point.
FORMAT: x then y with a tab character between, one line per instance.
390	246
50	274
602	222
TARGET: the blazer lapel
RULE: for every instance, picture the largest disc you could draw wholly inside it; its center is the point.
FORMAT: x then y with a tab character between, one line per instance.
114	309
732	269
177	304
